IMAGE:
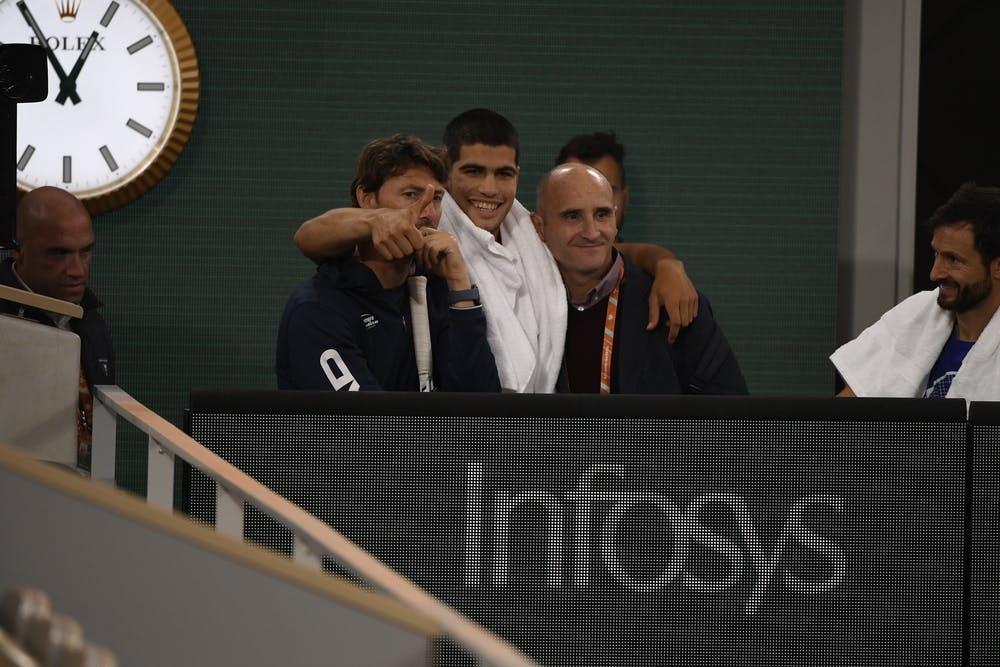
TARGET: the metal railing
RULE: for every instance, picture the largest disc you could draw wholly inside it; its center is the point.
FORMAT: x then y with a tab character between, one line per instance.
234	489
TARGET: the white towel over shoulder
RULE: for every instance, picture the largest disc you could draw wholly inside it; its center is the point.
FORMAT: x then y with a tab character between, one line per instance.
894	356
521	292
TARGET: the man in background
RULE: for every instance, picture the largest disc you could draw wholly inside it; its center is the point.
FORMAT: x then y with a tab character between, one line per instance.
603	152
355	325
943	342
54	243
608	347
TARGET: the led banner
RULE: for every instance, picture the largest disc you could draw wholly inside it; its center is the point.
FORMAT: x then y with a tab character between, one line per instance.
985	535
636	531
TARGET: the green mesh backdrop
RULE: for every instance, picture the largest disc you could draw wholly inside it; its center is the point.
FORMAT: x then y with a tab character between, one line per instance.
729	112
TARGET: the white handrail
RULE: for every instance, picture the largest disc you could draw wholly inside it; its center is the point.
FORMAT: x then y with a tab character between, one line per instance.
313	538
42	302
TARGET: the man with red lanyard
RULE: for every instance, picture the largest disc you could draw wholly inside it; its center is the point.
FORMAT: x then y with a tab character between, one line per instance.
608	346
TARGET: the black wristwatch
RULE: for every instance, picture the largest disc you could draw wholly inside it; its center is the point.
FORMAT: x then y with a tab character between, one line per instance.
464	295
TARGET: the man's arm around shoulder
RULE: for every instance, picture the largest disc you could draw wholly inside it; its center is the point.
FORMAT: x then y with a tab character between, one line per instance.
672	290
392	231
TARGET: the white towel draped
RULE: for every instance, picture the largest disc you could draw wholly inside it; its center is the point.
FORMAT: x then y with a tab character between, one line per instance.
522	294
894	356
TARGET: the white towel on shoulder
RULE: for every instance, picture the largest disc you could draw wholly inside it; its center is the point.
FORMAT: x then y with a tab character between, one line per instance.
894	356
522	294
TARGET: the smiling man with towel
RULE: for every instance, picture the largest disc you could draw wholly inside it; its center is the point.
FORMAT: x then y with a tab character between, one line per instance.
943	342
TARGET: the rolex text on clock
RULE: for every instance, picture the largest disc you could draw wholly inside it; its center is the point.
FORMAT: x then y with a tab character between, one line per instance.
123	95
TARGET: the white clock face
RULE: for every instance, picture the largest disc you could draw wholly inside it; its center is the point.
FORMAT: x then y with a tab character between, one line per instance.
113	98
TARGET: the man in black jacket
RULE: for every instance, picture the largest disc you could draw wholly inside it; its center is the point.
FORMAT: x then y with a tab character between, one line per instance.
353	325
609	348
51	256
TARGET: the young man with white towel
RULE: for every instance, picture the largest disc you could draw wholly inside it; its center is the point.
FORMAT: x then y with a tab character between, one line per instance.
943	342
517	279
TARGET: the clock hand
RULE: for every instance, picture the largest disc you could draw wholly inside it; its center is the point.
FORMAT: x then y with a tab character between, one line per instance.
67	86
60	72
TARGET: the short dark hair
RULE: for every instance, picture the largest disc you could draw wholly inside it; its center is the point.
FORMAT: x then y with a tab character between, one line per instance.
381	159
480	126
589	148
978	206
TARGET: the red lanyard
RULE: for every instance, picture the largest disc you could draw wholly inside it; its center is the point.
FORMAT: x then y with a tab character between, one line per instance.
609	334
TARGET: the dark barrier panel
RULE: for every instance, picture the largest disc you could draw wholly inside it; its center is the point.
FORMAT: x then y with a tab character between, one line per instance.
984	419
638	530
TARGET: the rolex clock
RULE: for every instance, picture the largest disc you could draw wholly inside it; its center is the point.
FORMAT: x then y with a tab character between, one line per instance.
123	95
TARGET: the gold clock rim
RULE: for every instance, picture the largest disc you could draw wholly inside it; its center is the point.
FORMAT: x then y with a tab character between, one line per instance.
189	84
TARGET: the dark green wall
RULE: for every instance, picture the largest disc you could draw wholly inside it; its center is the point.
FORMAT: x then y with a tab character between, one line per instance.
729	112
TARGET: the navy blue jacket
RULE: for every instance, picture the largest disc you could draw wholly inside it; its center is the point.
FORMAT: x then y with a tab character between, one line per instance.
341	330
699	362
97	356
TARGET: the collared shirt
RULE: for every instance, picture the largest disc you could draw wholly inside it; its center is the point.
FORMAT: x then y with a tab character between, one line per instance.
604	287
